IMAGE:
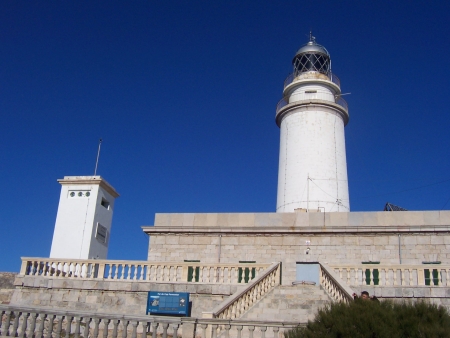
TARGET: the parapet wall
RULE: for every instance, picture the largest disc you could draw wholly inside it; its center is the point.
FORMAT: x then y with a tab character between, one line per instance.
128	297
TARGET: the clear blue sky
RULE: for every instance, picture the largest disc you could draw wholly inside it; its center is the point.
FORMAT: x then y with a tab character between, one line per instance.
183	94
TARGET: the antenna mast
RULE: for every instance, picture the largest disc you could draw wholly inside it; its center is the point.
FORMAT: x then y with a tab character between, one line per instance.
98	155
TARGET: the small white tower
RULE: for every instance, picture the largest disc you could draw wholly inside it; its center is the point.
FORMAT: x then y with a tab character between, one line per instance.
83	222
312	171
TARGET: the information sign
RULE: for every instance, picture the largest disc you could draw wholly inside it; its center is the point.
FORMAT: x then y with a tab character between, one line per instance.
168	303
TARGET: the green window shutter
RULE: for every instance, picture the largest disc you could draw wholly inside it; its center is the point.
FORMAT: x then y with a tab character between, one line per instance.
435	277
190	275
376	277
239	275
244	273
427	276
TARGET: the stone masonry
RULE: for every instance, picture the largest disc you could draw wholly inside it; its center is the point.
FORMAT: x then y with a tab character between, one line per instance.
333	238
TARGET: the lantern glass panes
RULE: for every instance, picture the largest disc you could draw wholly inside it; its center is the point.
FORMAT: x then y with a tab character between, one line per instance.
312	63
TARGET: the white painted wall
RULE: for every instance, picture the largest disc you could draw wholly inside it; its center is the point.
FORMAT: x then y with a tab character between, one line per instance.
312	144
77	218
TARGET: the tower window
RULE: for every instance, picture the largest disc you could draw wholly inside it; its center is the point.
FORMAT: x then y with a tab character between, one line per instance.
310	91
101	234
105	203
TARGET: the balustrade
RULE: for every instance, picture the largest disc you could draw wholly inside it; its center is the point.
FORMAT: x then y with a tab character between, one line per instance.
33	322
334	285
394	275
140	270
236	305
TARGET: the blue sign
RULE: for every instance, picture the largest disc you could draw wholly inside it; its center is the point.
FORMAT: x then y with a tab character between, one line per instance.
175	303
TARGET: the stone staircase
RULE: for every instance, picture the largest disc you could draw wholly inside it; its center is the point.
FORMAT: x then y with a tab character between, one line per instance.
297	303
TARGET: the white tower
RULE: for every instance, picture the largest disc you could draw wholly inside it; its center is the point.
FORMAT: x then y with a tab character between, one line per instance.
312	171
83	222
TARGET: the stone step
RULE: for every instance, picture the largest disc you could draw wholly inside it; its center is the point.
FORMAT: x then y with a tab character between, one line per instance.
289	303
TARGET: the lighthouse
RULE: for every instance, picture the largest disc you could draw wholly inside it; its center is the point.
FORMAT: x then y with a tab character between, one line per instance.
312	174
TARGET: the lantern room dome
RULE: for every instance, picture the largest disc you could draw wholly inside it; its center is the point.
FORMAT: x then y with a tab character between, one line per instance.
312	57
311	48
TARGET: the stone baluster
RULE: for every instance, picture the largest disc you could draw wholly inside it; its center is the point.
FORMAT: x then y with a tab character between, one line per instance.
105	322
76	332
51	319
115	328
275	330
204	330
164	327
403	279
58	326
395	276
40	328
239	330
110	271
141	274
124	327
127	271
174	327
357	276
194	273
214	330
251	329
15	326
96	327
447	278
263	330
23	327
32	324
154	329
134	325
150	272
348	275
227	330
45	269
6	323
213	275
234	307
84	270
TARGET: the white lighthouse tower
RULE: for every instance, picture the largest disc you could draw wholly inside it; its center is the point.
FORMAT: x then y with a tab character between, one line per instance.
312	173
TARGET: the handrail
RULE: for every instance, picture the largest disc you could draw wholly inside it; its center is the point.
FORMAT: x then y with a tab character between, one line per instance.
238	303
394	274
37	322
334	286
195	272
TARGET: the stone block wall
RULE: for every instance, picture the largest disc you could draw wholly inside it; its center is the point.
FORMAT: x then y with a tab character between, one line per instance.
333	238
118	297
6	286
289	249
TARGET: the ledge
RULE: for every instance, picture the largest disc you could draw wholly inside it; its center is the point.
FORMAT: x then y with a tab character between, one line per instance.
269	230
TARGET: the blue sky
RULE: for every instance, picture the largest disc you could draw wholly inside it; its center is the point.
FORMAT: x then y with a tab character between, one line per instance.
183	94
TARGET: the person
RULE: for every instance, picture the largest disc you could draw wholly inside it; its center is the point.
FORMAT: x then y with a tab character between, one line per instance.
364	296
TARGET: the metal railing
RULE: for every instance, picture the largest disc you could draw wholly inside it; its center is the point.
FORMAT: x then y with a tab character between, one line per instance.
332	77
